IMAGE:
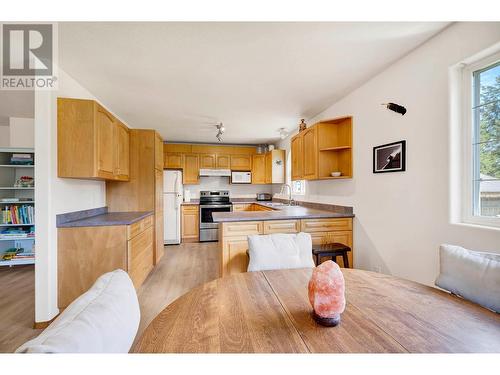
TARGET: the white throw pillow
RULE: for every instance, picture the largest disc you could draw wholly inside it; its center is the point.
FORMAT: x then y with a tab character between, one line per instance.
105	319
472	275
280	251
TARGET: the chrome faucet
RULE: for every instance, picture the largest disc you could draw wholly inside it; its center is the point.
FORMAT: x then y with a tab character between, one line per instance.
290	200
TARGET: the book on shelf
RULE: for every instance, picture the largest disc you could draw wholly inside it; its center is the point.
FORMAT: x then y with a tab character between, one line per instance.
17	233
16	214
21	159
17	253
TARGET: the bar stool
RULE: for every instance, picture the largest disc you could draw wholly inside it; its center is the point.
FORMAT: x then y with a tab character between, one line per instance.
332	250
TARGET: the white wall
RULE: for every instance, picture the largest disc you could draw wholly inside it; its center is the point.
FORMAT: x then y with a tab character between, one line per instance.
22	133
54	195
401	218
4	135
222	183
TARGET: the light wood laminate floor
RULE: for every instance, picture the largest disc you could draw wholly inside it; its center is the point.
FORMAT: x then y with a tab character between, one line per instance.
182	268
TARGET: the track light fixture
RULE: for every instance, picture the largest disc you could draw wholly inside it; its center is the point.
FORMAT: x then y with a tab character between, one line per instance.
283	133
220	130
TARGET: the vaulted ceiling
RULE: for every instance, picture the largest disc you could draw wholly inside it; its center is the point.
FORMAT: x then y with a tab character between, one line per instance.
183	78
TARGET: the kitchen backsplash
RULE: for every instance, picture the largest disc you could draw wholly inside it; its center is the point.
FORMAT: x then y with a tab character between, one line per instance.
222	183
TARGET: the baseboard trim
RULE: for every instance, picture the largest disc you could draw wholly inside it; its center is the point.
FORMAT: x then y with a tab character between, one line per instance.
43	325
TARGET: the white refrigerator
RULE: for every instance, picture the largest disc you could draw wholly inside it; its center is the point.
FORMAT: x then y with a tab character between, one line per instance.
172	199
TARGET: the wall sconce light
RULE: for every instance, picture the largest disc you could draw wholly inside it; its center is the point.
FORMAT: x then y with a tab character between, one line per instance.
395	107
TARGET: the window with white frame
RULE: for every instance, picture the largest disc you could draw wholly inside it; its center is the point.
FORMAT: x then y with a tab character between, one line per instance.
486	141
482	193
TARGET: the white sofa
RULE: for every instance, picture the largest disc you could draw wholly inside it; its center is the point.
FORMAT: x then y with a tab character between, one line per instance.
105	319
472	275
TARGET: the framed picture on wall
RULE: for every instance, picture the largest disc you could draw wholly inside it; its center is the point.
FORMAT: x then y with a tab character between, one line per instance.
390	157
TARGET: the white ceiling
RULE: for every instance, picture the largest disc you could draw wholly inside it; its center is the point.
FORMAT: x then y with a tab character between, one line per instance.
182	78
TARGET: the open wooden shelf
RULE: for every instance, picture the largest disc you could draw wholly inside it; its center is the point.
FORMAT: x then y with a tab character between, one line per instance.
17	262
335	148
323	148
17	165
335	178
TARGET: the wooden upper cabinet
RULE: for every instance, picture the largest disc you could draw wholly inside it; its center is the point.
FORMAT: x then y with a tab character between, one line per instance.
258	169
223	161
297	157
269	168
174	160
122	152
91	142
208	161
310	150
105	124
158	152
323	148
191	173
241	162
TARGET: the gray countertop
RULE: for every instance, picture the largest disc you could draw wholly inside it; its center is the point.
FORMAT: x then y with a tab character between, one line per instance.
281	212
107	219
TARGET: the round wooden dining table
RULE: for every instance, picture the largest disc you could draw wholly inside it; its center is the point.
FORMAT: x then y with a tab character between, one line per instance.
269	312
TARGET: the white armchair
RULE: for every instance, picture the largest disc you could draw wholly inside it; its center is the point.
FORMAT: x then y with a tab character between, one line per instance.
104	319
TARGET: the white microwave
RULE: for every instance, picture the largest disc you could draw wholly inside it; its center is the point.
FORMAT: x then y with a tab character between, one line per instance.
241	177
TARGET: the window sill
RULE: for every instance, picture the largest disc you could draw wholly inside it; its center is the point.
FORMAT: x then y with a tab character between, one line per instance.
477	226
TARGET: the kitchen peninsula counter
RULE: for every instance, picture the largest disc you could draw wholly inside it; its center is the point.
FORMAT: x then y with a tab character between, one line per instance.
325	224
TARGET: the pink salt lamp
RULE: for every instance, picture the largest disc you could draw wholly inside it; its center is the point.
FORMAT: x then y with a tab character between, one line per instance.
326	293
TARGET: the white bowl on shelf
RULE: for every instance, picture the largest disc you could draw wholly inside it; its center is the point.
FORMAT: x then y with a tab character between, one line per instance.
336	174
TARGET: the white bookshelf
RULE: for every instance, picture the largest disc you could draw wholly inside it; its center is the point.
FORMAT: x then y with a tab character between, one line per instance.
9	173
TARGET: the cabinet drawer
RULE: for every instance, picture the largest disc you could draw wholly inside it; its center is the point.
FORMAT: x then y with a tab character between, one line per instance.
281	226
138	227
140	256
243	228
190	208
325	225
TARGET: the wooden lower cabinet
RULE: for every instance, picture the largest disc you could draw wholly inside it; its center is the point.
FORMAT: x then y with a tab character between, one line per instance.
233	238
235	255
190	223
140	256
85	253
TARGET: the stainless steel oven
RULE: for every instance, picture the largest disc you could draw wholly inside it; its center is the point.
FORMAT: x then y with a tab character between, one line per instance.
210	202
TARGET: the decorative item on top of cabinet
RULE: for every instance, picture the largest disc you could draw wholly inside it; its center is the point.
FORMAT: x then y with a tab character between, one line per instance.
91	142
324	148
190	227
302	125
191	172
